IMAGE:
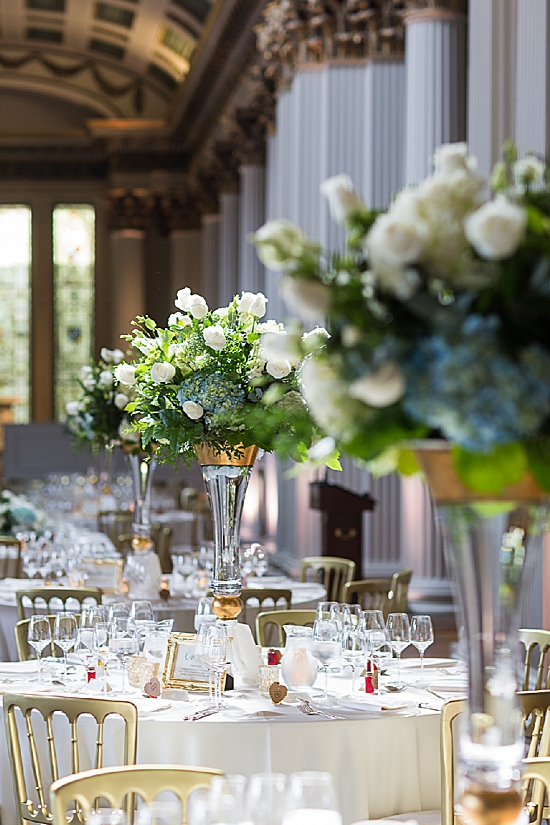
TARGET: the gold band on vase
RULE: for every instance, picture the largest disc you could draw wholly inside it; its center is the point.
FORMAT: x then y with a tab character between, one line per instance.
209	457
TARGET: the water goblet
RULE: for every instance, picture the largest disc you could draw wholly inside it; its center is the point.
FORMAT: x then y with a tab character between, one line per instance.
39	636
327	646
312	800
399	629
64	634
380	652
354	649
422	636
123	643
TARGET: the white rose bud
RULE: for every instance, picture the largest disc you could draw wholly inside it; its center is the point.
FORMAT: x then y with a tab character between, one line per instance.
315	338
197	306
310	300
452	157
120	400
380	388
106	355
105	378
342	198
396	238
192	409
72	407
214	337
88	383
176	319
182	299
162	372
85	372
279	369
118	356
278	243
126	374
496	229
255	304
529	170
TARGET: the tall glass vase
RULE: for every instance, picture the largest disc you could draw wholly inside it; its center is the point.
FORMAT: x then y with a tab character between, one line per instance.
491	543
142	565
226	481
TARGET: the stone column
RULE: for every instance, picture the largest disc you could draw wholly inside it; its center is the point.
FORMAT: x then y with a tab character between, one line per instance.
210	258
251	217
435	62
532	83
229	247
185	259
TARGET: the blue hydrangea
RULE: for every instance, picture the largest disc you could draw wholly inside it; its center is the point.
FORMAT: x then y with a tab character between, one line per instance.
218	396
473	392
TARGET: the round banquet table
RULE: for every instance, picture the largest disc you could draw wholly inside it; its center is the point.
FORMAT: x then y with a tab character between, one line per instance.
382	764
305	595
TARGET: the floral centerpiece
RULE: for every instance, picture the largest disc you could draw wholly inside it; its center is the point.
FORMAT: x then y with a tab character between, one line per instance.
98	416
438	312
17	514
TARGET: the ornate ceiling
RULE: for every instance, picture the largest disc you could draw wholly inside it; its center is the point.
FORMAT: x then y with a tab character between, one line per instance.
116	59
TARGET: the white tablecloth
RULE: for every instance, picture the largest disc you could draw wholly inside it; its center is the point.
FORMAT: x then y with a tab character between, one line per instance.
382	765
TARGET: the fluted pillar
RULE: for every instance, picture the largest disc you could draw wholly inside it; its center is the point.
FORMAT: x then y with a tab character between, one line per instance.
532	82
128	261
491	78
210	258
185	259
229	247
435	61
251	217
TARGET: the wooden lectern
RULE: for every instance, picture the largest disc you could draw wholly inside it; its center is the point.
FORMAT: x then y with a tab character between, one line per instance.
342	533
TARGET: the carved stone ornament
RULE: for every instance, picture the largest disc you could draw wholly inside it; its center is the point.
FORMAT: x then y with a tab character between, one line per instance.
129	208
178	209
436	6
314	31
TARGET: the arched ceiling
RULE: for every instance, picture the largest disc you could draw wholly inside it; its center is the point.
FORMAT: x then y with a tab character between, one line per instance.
104	59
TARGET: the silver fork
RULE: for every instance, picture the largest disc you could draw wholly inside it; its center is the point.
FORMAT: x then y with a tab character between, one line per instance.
306	708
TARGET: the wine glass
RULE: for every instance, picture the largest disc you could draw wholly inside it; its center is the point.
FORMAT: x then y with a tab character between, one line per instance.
93	613
399	629
216	655
351	614
102	636
380	652
327	646
39	636
204	612
266	799
422	636
373	620
64	634
312	798
354	649
142	610
123	643
86	647
330	611
119	610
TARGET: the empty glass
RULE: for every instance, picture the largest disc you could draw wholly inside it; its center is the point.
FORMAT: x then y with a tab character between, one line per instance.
64	634
123	643
399	629
165	812
39	636
142	610
327	646
119	610
354	649
215	654
93	613
266	800
373	620
380	652
312	800
204	612
86	647
422	636
106	816
351	614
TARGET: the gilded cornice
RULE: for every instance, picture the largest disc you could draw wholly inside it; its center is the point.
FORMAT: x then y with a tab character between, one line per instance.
129	208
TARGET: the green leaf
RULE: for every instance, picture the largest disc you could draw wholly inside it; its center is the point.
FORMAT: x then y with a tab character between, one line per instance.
149	323
407	464
490	473
538	457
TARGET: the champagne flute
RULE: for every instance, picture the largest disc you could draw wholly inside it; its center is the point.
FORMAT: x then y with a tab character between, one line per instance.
102	636
354	649
380	651
327	646
312	799
64	634
123	643
39	636
422	636
399	629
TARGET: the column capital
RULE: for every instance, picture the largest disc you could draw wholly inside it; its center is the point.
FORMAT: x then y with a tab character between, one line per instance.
315	31
179	210
416	11
129	209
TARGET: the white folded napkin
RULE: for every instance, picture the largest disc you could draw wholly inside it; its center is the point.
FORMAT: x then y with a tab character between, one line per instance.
450	685
148	706
18	668
379	705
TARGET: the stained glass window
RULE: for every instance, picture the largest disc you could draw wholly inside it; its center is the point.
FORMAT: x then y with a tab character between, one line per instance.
74	257
15	293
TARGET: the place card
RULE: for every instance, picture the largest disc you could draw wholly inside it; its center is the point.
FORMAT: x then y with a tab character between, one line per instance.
103	573
182	668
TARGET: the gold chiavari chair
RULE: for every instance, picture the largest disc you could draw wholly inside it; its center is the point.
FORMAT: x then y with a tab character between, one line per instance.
24	745
162	543
11	563
24	651
330	571
119	785
114	522
536	644
263	595
274	621
399	591
371	594
48	594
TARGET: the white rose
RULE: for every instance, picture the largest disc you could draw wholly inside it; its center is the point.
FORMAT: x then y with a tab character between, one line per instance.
222	312
162	372
315	338
278	243
88	383
144	345
452	156
380	388
126	374
342	198
529	170
496	229
270	326
106	355
182	299
214	337
197	306
192	409
279	369
176	319
252	303
85	372
72	407
396	238
117	356
105	378
279	346
310	300
120	400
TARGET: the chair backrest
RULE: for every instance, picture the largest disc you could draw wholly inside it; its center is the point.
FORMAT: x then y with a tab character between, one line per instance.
263	595
162	544
61	744
330	571
537	645
24	651
10	557
371	594
399	591
119	785
48	594
535	705
276	619
114	522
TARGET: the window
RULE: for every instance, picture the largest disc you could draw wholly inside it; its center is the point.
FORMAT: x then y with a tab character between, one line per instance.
74	258
110	49
15	299
114	14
